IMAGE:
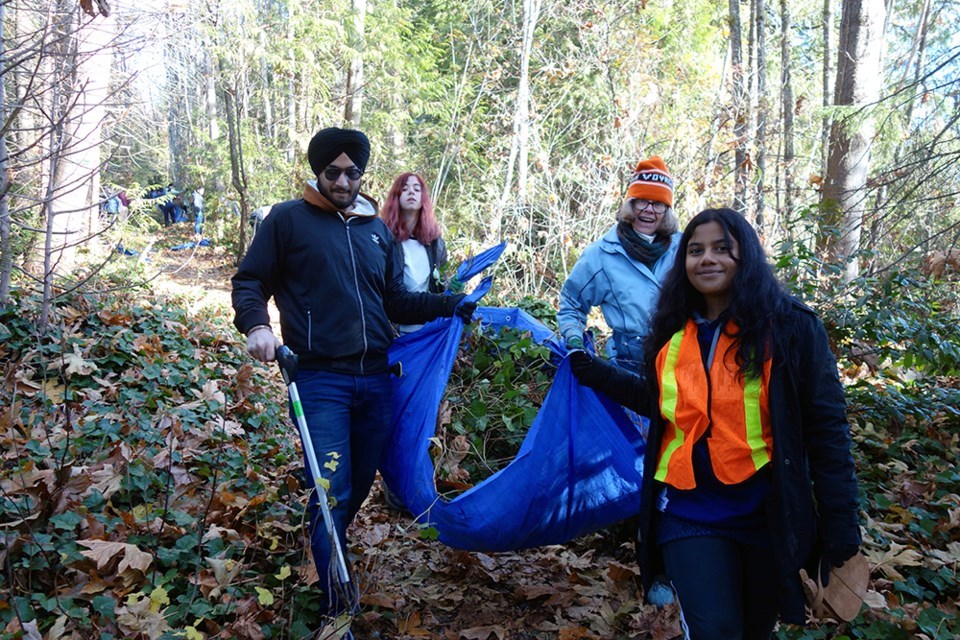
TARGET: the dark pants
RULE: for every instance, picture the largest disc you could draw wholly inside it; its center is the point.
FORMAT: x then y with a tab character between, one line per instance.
727	590
349	419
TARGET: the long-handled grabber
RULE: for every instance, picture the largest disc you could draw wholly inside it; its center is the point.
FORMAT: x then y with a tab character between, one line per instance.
287	360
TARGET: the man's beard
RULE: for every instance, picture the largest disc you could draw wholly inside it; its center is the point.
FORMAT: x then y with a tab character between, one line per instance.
341	199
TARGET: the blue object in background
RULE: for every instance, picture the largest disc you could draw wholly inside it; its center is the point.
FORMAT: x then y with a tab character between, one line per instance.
190	245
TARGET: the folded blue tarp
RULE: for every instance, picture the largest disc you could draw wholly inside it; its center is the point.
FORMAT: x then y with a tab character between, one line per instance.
577	471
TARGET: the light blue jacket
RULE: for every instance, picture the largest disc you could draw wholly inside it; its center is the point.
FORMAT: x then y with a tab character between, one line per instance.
625	290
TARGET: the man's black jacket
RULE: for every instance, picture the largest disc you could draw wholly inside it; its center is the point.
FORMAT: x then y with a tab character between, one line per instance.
337	279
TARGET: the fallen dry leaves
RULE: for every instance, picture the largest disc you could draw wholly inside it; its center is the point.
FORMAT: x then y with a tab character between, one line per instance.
414	588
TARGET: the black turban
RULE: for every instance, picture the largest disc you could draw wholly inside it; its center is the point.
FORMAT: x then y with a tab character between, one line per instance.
327	145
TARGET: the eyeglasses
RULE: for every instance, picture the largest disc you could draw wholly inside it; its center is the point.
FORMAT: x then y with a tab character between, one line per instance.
332	173
640	204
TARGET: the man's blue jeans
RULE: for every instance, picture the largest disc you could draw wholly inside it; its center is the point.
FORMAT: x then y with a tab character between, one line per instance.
348	417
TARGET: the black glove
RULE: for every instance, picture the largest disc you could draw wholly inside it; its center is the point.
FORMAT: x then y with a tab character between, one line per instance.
834	555
620	385
463	309
581	363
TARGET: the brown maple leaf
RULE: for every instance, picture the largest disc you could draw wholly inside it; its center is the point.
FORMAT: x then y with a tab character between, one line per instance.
483	633
104	552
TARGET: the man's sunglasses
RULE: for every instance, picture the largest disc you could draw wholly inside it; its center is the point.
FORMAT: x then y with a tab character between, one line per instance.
333	173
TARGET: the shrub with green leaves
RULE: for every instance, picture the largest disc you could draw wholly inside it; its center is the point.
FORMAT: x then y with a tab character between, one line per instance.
149	480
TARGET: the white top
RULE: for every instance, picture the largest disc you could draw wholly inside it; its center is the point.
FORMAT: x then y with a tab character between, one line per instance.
416	274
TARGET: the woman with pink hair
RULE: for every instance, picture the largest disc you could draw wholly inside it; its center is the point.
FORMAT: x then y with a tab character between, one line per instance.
408	213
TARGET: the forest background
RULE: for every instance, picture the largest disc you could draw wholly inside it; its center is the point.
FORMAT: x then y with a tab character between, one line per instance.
832	126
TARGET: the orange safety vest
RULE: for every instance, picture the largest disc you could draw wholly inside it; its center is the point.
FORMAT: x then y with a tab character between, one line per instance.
691	401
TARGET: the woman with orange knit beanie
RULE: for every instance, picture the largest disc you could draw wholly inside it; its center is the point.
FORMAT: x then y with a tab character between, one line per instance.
621	273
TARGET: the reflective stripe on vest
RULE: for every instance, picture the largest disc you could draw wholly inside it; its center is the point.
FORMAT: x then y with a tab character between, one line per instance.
691	401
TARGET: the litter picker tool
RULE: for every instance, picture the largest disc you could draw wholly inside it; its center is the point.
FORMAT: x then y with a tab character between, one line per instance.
287	360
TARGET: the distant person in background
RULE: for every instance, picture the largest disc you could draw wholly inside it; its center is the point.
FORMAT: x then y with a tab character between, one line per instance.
179	213
748	474
258	216
408	213
111	206
124	204
167	209
621	273
198	210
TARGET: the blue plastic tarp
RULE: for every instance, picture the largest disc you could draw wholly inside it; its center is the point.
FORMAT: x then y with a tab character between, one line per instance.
578	470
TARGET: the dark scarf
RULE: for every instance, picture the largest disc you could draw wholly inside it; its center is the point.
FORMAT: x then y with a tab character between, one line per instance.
638	248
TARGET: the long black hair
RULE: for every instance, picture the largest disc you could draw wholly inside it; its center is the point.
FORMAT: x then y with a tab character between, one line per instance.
757	298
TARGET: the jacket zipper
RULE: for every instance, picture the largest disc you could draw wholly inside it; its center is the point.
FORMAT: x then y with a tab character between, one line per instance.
356	286
309	329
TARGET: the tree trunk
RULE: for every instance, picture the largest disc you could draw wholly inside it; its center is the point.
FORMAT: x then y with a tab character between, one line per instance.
858	86
210	79
520	142
711	158
85	69
919	49
787	108
828	47
531	15
291	87
760	140
739	109
6	259
354	98
237	170
266	95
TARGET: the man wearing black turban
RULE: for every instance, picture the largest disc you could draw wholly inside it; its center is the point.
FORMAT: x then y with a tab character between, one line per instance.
336	275
343	149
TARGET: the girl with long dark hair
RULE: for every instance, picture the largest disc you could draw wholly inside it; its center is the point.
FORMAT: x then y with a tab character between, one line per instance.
748	472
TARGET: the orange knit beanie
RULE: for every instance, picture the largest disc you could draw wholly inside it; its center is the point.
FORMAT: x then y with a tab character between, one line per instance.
651	181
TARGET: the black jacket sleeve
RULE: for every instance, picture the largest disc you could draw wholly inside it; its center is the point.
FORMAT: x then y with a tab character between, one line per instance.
252	285
827	435
437	252
619	384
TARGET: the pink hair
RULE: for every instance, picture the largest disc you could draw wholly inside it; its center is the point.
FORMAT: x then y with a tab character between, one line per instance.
427	229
